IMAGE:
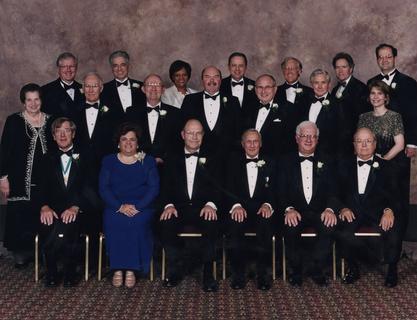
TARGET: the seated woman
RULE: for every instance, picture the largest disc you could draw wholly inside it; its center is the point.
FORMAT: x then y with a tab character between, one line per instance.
179	73
128	184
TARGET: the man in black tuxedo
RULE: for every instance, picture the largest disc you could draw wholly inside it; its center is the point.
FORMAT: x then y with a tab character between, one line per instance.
369	198
61	97
324	110
161	123
403	99
122	92
292	90
352	95
236	84
219	114
249	203
64	194
308	196
276	122
189	198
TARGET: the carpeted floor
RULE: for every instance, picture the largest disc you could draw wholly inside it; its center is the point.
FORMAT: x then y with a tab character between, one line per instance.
22	298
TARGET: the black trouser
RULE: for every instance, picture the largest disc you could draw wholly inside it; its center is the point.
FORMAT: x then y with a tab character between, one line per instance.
322	245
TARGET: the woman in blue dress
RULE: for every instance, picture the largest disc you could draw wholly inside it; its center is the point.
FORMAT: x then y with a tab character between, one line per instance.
129	184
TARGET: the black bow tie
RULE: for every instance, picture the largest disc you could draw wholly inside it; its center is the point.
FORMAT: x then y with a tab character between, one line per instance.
361	163
266	106
68	152
343	83
294	85
254	160
124	83
193	154
310	158
94	105
318	99
386	77
68	86
237	83
150	109
207	96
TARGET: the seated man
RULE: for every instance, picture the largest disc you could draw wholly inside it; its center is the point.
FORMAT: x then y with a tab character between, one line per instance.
189	198
307	194
249	203
63	193
369	199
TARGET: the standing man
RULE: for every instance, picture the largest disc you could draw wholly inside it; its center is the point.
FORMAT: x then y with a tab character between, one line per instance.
292	89
352	95
249	204
236	84
61	97
161	123
189	197
369	198
308	196
403	99
219	114
122	92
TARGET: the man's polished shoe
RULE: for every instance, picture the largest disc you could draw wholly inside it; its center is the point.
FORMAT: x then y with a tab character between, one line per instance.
391	279
351	276
295	279
238	281
171	281
21	265
51	281
70	280
210	285
320	279
263	282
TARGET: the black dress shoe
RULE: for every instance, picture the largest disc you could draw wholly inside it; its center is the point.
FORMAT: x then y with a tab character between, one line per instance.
391	279
319	279
21	265
172	280
296	280
351	276
238	282
70	280
51	281
264	283
210	285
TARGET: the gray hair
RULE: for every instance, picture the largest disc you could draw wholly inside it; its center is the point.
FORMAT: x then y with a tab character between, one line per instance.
287	59
305	124
251	130
318	72
64	56
58	122
269	76
119	53
93	73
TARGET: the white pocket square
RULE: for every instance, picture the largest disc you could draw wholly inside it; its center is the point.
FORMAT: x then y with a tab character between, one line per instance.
277	120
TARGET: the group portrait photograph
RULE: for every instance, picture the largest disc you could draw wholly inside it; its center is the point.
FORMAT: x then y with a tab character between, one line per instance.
208	160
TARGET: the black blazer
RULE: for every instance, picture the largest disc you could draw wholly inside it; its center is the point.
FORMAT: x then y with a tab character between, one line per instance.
290	185
278	130
110	97
238	188
226	133
403	99
248	90
174	185
353	102
168	130
78	191
57	102
380	192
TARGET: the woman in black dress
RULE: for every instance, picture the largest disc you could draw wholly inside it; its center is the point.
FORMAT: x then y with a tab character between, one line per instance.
23	143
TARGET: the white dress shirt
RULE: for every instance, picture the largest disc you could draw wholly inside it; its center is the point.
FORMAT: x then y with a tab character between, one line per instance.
315	109
262	115
71	91
91	115
190	168
66	163
290	93
211	110
252	173
341	88
363	175
125	94
391	77
307	177
173	97
238	90
153	117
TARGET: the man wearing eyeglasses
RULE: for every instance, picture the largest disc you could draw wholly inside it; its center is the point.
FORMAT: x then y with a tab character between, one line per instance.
369	198
122	92
308	198
61	97
403	99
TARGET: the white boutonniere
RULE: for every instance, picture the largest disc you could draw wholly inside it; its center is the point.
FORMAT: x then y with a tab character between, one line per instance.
140	156
260	163
163	113
104	109
250	87
338	94
75	156
224	99
298	90
202	161
274	106
320	165
375	165
81	91
393	85
266	182
135	85
325	103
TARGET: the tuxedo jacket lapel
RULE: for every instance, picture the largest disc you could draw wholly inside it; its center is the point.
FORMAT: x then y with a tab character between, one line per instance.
58	171
371	181
73	172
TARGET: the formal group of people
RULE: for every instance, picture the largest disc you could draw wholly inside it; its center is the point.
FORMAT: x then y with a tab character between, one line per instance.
142	163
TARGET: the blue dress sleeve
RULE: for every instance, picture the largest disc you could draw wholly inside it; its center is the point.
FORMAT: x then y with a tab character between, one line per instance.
105	190
152	184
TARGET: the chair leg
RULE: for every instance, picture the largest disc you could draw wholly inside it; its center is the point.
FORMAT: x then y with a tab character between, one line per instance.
100	256
215	270
37	258
224	259
151	277
273	259
163	265
334	261
343	267
87	256
284	262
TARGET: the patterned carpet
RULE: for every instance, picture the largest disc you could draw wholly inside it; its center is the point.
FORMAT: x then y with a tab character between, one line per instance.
22	298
